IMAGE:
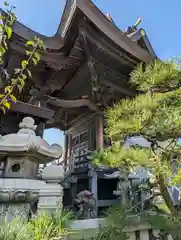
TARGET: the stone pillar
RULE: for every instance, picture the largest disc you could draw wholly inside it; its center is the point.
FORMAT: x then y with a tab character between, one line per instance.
51	196
93	185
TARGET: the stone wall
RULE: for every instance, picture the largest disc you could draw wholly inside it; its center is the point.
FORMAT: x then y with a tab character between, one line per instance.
90	227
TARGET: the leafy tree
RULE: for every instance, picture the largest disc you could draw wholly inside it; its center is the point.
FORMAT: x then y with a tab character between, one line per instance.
155	115
16	80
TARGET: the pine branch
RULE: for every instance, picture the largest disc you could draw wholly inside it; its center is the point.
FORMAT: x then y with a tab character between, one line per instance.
155	75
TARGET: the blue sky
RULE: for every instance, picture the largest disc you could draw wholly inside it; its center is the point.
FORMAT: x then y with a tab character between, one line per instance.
160	18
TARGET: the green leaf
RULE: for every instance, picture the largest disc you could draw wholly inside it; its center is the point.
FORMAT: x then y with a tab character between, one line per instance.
24	64
30	43
41	45
1	26
2	51
12	18
37	56
13	98
8	89
9	32
34	61
28	52
22	82
4	44
13	81
29	73
6	3
7	104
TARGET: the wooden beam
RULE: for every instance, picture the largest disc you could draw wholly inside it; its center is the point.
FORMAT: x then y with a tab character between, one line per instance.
32	110
73	103
84	118
91	66
113	33
107	203
122	90
118	55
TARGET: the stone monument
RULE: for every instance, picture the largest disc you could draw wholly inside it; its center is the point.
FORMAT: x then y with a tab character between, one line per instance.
20	156
85	204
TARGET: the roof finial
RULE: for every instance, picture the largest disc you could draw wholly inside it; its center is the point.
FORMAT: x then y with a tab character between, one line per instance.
137	23
133	28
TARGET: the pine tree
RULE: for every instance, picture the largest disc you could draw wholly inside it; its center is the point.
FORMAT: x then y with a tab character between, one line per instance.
155	114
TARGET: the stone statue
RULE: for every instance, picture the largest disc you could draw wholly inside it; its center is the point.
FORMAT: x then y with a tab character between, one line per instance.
85	205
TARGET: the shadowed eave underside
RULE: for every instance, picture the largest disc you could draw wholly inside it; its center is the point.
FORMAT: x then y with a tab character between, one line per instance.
93	14
84	32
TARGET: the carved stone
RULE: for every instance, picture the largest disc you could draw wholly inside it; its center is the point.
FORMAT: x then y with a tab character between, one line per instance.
18	196
85	205
26	143
19	190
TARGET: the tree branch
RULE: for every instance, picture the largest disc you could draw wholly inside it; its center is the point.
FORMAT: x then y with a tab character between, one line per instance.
166	196
164	88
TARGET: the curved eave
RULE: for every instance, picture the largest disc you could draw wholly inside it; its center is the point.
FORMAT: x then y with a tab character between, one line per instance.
111	31
135	36
97	18
55	42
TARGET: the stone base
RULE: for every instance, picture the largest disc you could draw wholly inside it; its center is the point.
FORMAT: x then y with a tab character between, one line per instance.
50	198
88	230
15	194
12	210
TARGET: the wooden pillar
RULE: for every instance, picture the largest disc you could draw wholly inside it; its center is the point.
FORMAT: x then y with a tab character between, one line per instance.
93	179
100	130
40	129
66	145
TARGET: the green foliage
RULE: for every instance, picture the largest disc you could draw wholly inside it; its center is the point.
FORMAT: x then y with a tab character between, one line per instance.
117	156
157	74
155	115
14	230
50	227
166	223
43	227
17	80
116	221
119	219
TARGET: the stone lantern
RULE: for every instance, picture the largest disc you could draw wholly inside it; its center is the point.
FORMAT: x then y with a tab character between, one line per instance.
20	155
